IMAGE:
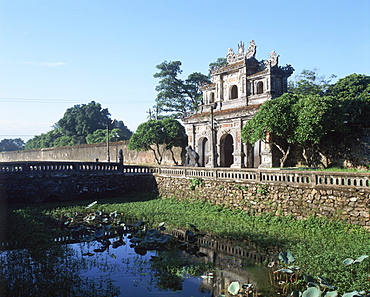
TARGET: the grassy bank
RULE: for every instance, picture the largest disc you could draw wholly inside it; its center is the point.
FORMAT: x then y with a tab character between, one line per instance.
319	245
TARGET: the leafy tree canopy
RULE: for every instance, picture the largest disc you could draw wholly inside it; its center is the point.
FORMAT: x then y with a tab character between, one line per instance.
84	119
175	95
12	144
83	123
312	111
153	133
44	140
309	82
100	135
299	119
354	86
220	62
354	93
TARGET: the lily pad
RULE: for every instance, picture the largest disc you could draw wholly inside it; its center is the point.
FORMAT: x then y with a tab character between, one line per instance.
91	204
296	294
135	240
99	233
348	261
234	288
189	233
331	294
286	257
152	232
194	227
312	292
360	259
351	294
289	271
164	239
161	226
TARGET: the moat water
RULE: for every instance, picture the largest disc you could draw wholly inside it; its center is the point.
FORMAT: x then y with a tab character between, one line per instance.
83	269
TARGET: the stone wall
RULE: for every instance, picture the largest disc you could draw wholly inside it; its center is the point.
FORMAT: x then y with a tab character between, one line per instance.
89	153
350	205
70	185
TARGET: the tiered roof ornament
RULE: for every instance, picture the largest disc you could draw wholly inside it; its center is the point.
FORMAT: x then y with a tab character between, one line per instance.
253	65
242	54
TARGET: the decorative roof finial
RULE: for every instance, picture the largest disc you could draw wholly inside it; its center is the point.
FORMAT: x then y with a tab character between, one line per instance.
251	52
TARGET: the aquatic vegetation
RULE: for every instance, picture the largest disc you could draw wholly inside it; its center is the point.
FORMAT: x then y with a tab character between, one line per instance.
298	284
320	245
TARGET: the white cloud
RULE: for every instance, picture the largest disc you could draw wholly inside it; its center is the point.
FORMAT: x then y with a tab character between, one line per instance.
52	64
46	64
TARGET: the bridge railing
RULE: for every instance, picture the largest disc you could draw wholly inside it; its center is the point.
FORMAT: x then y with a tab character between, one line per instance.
28	167
264	176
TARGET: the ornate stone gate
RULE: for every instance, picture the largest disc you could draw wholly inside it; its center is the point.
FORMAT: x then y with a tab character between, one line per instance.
233	97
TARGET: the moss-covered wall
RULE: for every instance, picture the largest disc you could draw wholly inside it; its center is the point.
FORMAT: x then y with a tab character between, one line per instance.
350	205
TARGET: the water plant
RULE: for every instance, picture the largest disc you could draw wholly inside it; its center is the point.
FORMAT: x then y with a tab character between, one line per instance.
319	244
236	288
314	287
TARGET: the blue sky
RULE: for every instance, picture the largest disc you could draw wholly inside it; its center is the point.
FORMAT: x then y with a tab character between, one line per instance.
55	54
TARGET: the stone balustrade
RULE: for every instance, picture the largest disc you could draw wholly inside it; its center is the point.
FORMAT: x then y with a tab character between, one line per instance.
301	193
28	167
261	176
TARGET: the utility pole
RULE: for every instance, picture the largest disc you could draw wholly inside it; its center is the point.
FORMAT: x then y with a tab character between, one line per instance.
108	154
213	159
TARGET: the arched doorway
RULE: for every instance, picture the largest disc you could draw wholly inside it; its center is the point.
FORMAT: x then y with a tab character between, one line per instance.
253	154
203	151
226	151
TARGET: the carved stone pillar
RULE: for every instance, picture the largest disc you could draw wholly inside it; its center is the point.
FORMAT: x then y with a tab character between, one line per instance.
238	154
266	153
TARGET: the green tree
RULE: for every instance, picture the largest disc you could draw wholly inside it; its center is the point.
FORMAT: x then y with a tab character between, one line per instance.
77	123
175	135
220	62
176	96
354	92
63	141
274	117
154	133
82	120
310	83
124	133
12	144
44	140
354	86
100	135
317	116
303	120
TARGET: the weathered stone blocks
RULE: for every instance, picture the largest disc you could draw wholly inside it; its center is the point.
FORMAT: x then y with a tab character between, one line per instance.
344	204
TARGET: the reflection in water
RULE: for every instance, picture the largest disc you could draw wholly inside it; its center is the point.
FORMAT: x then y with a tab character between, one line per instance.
136	275
84	269
55	271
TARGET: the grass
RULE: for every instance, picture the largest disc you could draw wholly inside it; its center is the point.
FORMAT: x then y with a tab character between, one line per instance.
319	245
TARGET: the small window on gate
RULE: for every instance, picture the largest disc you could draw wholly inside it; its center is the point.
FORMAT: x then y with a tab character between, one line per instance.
260	87
234	92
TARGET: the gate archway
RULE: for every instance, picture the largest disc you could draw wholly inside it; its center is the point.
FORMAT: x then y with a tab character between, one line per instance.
226	151
203	151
